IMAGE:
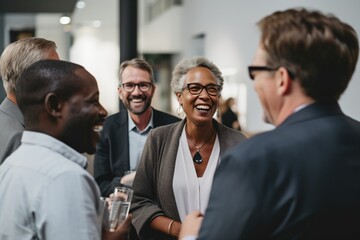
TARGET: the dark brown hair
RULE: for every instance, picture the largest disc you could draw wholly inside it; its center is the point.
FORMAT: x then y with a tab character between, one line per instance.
319	50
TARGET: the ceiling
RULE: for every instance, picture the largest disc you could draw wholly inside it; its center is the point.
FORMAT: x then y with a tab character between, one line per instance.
37	6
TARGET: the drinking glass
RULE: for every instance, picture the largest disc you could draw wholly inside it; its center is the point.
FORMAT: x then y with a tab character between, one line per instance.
120	205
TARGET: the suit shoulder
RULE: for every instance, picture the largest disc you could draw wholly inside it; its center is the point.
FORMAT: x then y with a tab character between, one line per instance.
254	146
163	118
115	118
161	130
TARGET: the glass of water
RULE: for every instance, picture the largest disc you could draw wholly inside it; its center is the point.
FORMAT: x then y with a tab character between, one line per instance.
120	205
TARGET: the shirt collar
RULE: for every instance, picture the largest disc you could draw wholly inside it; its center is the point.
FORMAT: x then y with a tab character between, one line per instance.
55	145
133	127
301	107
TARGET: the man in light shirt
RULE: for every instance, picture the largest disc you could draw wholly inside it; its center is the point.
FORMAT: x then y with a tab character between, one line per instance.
46	193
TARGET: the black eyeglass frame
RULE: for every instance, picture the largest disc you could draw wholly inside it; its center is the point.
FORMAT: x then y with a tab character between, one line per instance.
266	68
218	87
251	69
139	85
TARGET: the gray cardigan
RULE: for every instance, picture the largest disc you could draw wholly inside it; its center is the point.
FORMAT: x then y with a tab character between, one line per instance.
153	193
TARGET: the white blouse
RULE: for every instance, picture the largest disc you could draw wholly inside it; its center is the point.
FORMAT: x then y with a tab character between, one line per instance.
192	193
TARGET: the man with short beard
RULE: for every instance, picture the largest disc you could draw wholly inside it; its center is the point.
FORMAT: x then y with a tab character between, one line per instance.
124	133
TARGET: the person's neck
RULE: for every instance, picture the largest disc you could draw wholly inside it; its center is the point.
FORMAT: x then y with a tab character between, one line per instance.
290	107
142	120
199	133
12	98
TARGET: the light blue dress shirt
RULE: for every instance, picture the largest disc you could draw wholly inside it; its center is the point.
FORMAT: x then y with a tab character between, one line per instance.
137	141
46	193
189	238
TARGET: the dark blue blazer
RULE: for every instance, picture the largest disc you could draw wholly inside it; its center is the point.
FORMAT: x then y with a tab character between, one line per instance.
112	152
299	181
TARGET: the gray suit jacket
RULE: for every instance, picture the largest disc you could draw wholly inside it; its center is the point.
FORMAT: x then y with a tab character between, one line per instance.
153	192
12	126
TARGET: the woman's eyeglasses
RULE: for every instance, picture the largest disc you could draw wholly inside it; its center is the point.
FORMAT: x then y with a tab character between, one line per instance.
196	89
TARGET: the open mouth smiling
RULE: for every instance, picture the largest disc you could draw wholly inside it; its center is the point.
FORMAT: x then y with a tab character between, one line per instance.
204	108
98	127
137	100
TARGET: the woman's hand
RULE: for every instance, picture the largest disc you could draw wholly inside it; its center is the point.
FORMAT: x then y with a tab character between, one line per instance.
191	225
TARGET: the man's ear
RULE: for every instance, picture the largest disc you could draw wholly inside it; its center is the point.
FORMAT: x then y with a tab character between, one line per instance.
119	92
53	104
283	82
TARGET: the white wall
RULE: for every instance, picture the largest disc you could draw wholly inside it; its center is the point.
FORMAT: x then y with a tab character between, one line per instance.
232	38
163	34
97	47
48	27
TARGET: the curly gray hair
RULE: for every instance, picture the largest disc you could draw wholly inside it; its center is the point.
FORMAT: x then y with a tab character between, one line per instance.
180	70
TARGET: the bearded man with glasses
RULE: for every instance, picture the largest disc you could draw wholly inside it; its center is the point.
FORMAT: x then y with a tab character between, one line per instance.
124	133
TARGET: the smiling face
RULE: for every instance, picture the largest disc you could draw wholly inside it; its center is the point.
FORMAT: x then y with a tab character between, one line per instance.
83	115
137	101
199	109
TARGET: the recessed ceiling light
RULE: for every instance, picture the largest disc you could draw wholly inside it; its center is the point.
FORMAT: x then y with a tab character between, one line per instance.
80	4
65	20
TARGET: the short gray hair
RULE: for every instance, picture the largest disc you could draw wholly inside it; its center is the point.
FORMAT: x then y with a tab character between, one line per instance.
185	65
19	55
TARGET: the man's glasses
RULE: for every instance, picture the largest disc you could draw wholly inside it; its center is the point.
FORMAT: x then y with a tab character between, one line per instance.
143	86
266	68
196	89
259	68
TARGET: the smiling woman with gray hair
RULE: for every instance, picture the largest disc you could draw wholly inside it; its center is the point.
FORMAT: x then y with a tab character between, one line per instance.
179	160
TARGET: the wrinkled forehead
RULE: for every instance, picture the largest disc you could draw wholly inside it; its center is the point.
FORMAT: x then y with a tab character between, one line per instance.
133	74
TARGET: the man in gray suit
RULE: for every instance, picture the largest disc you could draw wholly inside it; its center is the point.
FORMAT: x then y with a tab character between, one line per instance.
17	57
301	180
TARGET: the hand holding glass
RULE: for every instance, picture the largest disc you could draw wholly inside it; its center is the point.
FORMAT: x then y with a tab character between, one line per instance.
128	178
120	205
